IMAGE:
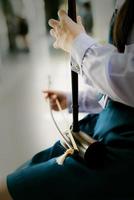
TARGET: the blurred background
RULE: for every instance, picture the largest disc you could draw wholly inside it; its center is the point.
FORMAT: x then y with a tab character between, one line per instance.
27	59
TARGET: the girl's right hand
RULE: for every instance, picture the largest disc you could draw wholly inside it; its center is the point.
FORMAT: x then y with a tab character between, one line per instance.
56	95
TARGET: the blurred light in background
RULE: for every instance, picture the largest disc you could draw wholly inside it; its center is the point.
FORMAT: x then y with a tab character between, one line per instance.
26	59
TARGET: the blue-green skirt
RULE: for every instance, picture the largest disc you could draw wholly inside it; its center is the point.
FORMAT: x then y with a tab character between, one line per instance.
42	178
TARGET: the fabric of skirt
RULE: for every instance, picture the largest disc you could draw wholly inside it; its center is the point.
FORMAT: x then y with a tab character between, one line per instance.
43	179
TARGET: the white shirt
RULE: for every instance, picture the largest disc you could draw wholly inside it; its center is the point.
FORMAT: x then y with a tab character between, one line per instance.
105	69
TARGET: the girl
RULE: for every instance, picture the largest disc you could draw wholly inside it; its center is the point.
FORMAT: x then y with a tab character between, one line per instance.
109	70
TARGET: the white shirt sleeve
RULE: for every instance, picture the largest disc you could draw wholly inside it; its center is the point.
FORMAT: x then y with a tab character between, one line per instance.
88	101
103	68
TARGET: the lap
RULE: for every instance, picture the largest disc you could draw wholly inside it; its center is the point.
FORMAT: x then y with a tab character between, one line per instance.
43	178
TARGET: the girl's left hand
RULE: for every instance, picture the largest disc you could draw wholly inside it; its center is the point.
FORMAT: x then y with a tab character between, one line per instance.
65	30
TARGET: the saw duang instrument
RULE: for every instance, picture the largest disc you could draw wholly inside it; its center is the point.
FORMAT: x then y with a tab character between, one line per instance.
73	139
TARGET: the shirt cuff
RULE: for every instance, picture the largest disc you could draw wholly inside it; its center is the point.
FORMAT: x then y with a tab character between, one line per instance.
80	45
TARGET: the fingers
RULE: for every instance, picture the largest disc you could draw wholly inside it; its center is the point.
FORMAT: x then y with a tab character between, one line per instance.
79	20
52	99
55	27
53	33
55	45
50	94
54	106
53	96
65	19
48	91
65	30
62	15
53	23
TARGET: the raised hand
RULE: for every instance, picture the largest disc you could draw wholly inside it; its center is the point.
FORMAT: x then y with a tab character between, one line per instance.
65	30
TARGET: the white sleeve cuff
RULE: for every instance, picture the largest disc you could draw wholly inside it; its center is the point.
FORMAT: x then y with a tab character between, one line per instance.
80	45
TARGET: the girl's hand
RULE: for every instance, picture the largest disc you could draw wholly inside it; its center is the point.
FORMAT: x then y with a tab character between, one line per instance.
65	30
53	95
